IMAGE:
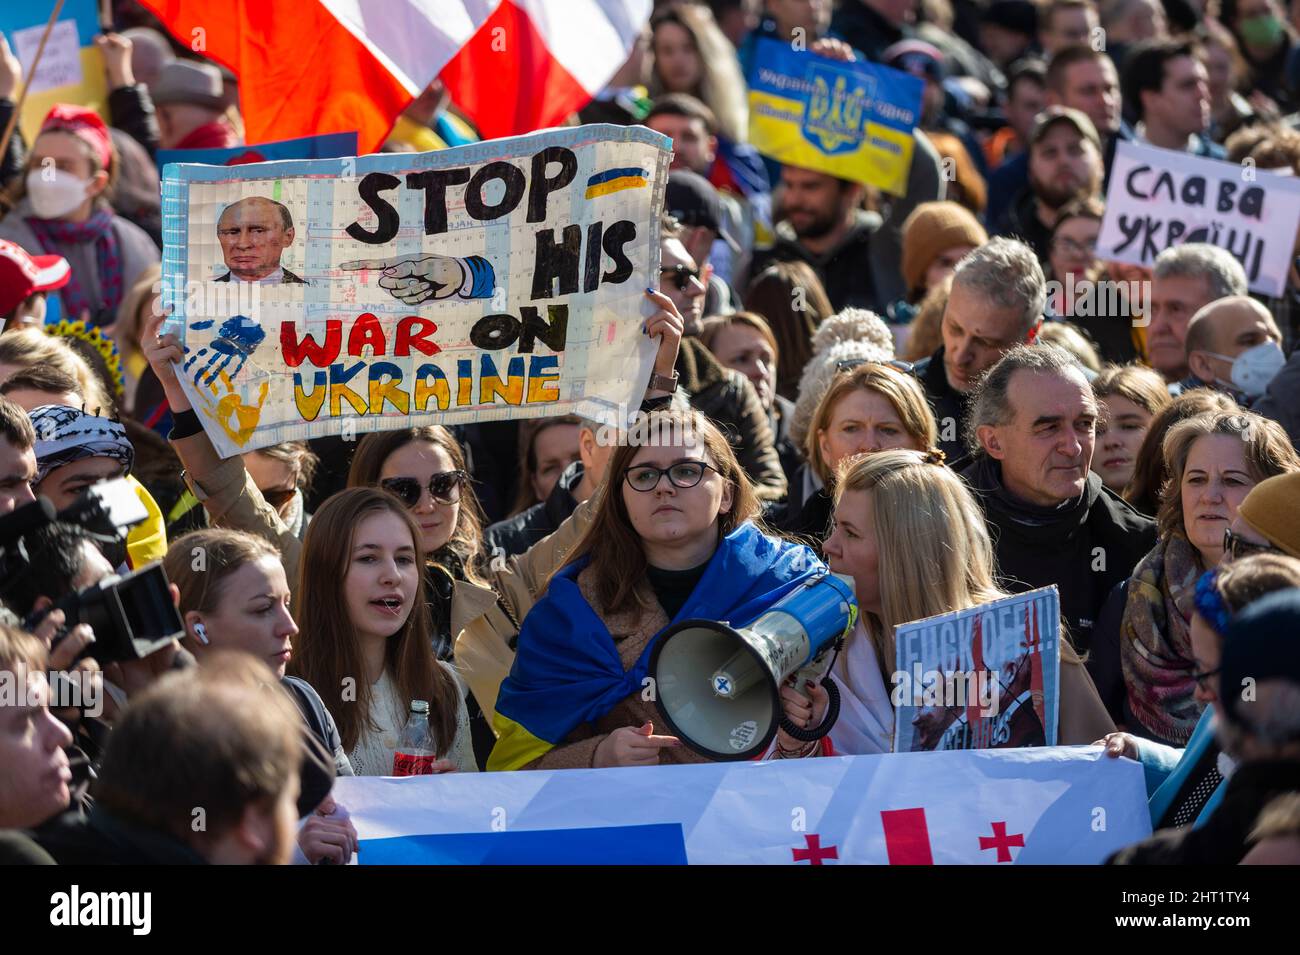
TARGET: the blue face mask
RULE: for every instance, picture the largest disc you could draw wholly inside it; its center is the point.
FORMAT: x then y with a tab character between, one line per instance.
1254	368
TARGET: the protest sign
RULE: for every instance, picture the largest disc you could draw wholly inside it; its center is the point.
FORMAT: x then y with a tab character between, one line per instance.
502	279
852	120
1063	805
1160	198
983	678
327	146
71	69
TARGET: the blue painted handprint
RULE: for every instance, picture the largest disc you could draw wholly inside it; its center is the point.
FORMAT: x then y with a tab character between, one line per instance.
236	340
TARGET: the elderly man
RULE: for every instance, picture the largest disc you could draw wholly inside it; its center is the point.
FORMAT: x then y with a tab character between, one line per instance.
1234	344
1184	280
254	233
997	300
1032	430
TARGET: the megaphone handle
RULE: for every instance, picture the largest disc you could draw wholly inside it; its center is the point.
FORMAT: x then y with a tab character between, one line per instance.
828	721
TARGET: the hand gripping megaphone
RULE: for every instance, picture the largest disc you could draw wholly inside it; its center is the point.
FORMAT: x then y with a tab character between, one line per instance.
718	687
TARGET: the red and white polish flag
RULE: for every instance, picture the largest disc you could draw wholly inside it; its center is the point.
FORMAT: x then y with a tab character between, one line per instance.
307	67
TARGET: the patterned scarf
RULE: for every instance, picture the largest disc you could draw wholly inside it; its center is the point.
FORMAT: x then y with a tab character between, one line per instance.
65	435
55	236
1156	642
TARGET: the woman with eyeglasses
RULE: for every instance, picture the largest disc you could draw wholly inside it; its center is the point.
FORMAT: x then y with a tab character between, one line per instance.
1213	462
869	406
1081	290
674	537
1185	785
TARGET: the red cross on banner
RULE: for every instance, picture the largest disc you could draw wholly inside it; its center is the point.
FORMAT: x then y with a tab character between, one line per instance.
1001	841
814	854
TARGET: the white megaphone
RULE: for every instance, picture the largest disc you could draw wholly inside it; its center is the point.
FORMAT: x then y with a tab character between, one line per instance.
718	687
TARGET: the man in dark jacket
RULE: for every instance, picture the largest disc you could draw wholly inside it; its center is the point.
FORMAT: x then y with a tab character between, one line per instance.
721	394
997	300
824	226
1032	430
516	534
1259	731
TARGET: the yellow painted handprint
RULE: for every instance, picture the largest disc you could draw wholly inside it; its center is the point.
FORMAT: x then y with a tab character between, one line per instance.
228	406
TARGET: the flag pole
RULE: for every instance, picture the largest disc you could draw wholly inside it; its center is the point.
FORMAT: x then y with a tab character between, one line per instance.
27	83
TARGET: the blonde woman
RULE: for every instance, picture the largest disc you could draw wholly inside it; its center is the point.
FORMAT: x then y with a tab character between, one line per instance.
137	307
909	533
868	407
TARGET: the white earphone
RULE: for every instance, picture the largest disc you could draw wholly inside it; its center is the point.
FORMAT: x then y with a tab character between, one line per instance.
201	632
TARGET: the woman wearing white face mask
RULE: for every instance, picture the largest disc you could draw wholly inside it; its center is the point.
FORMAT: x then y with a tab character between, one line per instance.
61	209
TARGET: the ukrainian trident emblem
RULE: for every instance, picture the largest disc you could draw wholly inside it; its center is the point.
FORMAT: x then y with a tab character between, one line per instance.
833	119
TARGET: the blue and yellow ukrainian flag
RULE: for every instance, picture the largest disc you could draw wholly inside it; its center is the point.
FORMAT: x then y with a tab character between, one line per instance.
567	669
852	120
615	180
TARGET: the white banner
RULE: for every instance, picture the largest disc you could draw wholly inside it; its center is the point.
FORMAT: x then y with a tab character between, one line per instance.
1159	198
1068	805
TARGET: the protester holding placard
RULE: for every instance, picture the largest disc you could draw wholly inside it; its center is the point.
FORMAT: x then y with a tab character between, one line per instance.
910	534
1213	461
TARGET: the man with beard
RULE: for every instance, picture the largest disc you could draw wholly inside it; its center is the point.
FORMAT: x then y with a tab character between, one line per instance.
1064	164
823	224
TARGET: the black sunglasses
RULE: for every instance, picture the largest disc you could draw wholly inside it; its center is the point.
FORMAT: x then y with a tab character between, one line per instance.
1236	548
278	497
444	487
848	364
683	474
682	275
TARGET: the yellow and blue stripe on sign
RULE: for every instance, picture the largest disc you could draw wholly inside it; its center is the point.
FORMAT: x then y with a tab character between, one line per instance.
852	120
616	180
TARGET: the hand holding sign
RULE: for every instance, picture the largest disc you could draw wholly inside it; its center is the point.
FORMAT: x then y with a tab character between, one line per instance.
413	279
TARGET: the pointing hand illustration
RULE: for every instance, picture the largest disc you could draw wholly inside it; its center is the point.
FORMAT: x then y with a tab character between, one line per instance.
413	279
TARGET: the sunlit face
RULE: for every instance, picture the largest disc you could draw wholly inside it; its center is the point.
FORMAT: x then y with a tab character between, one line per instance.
64	484
745	349
851	547
1235	330
272	476
1046	448
1063	165
1183	102
1074	248
1120	433
252	614
690	299
253	236
814	203
670	517
421	460
693	147
17	469
1215	481
1207	648
34	784
1069	26
944	263
863	420
554	448
1092	87
1174	300
976	332
65	152
677	61
382	578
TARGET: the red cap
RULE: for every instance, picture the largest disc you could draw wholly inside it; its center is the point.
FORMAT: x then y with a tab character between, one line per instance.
83	123
22	274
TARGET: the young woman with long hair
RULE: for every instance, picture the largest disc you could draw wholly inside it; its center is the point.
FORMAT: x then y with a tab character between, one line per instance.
911	535
674	537
364	643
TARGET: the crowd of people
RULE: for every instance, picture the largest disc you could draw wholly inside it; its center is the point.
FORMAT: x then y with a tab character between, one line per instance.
901	388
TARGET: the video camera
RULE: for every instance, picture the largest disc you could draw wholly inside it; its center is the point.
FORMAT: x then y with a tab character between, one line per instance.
132	615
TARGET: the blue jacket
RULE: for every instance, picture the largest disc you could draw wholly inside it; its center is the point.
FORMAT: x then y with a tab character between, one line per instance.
1167	769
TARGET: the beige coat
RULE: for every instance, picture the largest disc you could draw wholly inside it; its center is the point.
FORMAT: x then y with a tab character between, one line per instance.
485	626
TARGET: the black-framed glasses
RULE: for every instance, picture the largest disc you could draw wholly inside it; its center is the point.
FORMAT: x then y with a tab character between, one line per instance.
682	275
848	364
1200	678
444	487
278	497
683	474
1235	547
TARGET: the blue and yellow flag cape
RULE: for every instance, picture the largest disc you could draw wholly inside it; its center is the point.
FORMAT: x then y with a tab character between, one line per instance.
567	670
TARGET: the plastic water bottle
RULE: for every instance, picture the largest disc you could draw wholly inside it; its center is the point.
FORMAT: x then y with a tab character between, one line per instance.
415	752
